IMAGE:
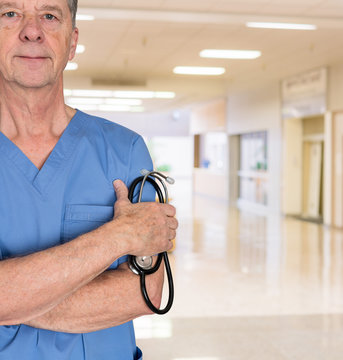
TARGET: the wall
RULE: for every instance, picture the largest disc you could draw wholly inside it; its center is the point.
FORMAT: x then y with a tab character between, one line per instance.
205	118
155	124
210	116
335	88
256	110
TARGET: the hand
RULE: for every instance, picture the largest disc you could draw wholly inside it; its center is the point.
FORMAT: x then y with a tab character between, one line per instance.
147	228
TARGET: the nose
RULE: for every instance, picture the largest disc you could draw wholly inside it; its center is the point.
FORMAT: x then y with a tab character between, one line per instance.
32	30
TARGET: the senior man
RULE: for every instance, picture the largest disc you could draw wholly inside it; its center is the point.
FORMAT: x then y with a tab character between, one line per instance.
66	290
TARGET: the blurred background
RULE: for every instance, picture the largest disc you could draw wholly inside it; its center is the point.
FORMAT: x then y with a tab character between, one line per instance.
241	101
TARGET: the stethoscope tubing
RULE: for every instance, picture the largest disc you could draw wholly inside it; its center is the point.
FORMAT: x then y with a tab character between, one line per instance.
148	177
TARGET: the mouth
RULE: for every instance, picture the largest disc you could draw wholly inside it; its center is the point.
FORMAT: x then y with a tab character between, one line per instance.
32	57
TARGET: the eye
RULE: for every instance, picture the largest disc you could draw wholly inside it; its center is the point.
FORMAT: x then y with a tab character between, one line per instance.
10	14
49	17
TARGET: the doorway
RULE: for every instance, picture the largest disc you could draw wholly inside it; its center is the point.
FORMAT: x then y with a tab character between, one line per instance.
303	168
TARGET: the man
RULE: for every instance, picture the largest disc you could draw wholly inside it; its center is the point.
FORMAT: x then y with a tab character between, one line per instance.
66	290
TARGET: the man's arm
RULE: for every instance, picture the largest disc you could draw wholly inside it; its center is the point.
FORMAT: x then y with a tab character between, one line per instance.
37	283
111	299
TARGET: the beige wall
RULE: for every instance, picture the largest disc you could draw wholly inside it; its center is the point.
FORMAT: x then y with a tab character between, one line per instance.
208	117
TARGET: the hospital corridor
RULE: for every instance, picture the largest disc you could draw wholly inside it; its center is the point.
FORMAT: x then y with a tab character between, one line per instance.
241	103
250	287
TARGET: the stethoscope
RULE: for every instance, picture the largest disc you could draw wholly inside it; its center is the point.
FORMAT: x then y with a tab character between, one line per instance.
143	265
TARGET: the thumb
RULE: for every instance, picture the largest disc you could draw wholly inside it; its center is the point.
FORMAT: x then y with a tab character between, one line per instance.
121	190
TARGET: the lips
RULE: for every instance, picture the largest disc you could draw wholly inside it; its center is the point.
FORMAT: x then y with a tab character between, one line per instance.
32	57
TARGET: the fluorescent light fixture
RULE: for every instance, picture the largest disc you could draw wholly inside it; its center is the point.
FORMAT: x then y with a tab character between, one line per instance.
80	49
71	66
134	94
85	101
126	97
130	102
84	17
164	95
92	93
198	70
283	26
120	108
123	108
144	94
230	54
84	107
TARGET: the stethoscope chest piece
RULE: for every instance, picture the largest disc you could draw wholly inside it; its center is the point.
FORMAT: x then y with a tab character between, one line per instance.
140	263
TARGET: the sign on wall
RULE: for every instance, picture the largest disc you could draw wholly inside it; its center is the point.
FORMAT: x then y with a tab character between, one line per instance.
304	94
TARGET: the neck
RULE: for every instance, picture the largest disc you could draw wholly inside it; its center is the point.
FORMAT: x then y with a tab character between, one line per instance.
35	112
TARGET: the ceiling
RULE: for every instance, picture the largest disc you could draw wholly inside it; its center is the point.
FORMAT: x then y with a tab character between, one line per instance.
135	44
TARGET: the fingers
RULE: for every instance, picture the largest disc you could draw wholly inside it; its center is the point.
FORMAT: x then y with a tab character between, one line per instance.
172	223
121	190
169	210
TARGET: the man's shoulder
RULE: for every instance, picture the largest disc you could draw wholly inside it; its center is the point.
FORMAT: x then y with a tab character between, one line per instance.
110	130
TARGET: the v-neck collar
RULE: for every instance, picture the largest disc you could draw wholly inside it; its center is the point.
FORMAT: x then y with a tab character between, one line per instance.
62	151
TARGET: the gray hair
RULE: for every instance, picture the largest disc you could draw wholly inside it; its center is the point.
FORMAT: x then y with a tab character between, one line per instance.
73	8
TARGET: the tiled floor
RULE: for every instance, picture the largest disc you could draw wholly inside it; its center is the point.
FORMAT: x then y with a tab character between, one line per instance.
249	287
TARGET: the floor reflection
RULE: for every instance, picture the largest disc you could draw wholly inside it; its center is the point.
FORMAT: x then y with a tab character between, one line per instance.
250	287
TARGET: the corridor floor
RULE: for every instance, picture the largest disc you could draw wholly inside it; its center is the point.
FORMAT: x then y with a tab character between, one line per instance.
249	287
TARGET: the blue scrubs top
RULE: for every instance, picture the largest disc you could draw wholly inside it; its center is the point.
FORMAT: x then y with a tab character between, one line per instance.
71	194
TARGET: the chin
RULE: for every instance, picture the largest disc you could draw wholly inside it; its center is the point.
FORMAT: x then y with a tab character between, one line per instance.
33	82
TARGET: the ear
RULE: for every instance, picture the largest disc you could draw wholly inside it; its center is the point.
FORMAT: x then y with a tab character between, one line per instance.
73	43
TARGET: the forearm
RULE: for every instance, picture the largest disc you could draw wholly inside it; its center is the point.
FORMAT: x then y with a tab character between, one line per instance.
111	299
46	278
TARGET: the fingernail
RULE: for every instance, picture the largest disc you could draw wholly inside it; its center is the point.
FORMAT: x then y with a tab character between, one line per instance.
115	183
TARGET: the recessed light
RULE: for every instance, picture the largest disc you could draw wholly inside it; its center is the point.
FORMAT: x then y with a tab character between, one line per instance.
84	17
71	66
283	26
198	70
230	54
80	49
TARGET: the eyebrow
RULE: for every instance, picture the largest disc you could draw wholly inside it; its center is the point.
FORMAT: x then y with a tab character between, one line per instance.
44	7
7	5
51	8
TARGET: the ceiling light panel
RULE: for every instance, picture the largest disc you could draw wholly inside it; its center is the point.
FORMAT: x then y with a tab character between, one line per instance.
85	17
80	49
71	66
230	54
281	26
198	70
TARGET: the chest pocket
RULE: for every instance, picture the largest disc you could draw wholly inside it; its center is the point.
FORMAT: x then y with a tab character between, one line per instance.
80	219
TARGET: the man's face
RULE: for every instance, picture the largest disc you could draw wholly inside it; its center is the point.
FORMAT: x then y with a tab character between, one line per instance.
36	41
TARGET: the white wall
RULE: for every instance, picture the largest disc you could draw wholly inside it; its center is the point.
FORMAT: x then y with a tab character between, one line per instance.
152	124
258	110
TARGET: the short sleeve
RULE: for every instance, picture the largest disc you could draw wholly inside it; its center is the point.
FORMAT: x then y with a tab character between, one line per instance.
139	159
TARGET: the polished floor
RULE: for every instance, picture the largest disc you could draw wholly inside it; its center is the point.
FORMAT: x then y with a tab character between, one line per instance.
249	287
